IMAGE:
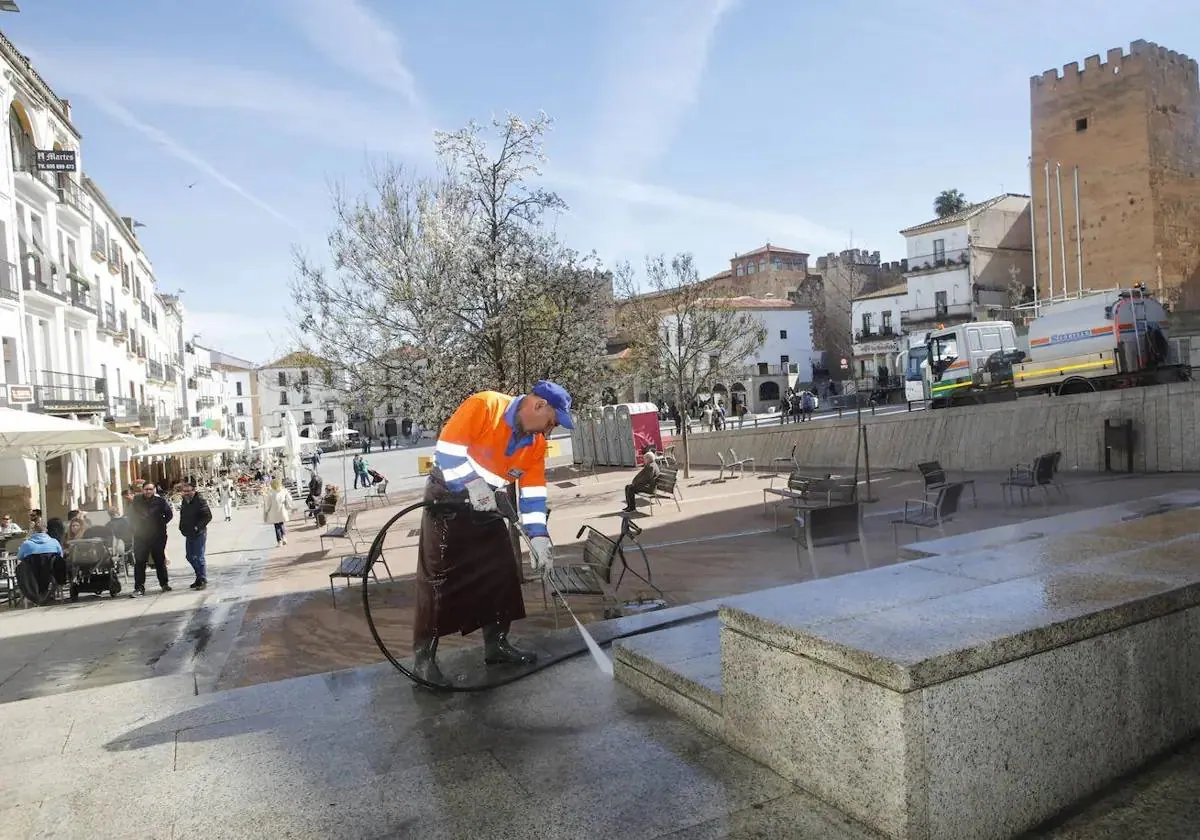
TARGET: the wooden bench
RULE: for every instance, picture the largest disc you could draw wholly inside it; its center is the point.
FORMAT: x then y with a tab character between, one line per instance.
920	513
804	492
666	486
347	531
356	566
1041	474
835	524
935	479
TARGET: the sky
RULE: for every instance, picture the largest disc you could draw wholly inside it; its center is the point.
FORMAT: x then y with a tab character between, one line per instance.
705	126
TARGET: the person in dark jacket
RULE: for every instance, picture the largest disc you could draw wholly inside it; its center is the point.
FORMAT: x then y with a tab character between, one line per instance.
643	482
194	516
150	514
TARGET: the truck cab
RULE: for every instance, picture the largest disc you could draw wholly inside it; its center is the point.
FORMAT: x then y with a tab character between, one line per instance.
952	363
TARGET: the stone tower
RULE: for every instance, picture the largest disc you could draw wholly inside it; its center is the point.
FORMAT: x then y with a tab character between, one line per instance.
1131	124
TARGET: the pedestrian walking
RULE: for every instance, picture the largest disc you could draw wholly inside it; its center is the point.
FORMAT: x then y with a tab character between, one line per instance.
194	516
276	506
150	514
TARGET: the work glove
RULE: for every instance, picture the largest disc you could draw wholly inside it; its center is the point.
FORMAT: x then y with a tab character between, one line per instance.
542	554
481	495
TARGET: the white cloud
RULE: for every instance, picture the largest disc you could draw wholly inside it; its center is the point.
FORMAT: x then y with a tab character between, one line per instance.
330	115
351	36
798	231
178	150
654	78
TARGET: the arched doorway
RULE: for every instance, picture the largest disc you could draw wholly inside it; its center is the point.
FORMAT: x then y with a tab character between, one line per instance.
737	396
720	394
768	392
20	135
304	432
327	433
389	428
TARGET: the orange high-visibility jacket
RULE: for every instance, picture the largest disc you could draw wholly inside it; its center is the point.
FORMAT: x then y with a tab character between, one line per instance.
480	441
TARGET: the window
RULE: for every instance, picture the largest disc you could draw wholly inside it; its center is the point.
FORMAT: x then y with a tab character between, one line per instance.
329	418
939	250
783	360
282	379
973	340
308	418
328	378
885	322
783	334
306	397
238	385
304	377
750	268
239	409
1081	124
283	397
866	321
740	270
939	304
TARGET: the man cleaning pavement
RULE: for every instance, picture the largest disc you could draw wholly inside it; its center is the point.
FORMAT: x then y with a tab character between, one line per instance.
468	575
194	516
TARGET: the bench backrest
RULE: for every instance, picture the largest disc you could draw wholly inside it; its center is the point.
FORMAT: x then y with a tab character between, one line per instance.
834	525
1043	468
350	520
800	482
932	473
665	482
598	553
947	500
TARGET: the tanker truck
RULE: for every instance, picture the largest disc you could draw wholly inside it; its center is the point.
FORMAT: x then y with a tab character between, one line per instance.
1093	342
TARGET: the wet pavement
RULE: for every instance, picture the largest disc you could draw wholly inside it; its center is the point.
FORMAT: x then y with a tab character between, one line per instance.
99	640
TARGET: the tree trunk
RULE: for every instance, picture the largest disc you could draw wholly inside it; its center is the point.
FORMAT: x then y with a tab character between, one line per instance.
685	417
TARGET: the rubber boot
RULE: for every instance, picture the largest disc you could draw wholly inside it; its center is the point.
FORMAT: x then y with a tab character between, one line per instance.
498	651
425	662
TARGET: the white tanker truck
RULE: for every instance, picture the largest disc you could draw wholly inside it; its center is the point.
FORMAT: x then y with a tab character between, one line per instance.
1097	341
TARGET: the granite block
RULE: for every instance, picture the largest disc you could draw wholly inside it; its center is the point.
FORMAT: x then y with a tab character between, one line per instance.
775	614
685	659
1157	528
855	744
1009	747
1028	558
925	642
685	702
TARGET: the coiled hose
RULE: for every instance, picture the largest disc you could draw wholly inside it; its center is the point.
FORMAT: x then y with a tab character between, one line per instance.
376	552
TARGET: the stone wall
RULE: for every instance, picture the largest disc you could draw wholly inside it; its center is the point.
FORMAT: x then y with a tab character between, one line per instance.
991	437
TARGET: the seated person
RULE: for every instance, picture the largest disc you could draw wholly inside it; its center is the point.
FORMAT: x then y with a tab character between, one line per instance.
643	482
315	487
8	528
56	530
42	556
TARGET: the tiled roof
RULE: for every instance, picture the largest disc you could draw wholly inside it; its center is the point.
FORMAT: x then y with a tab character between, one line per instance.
298	359
747	302
774	249
890	291
968	212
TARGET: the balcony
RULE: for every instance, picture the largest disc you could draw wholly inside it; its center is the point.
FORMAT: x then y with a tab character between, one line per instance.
146	312
205	402
147	418
124	409
81	295
767	369
39	276
203	371
64	393
162	425
947	312
940	261
106	321
170	374
880	334
37	185
72	206
9	289
154	370
114	257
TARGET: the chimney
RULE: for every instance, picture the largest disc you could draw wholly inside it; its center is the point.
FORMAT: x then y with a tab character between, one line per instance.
66	105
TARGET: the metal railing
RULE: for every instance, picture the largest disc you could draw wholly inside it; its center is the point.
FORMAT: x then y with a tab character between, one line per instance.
146	313
154	370
170	373
147	418
24	158
38	276
880	334
99	243
201	370
9	287
205	402
71	195
124	409
81	296
933	313
940	259
58	389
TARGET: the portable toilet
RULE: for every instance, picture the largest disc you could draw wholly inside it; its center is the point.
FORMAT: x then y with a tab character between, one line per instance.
577	452
645	431
612	441
627	455
587	435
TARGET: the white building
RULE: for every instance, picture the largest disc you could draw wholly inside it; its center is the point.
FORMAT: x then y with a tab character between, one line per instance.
965	266
784	360
237	393
875	319
304	386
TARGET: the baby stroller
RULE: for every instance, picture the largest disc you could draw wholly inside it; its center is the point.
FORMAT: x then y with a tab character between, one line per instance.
92	566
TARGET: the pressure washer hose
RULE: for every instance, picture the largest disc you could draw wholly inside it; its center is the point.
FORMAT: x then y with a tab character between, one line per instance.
460	507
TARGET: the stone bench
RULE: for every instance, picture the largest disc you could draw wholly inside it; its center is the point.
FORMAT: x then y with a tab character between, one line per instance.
969	695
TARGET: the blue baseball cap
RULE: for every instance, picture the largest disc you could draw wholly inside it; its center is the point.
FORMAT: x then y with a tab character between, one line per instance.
558	397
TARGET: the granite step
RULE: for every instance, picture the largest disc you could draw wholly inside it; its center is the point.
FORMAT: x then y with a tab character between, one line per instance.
680	668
